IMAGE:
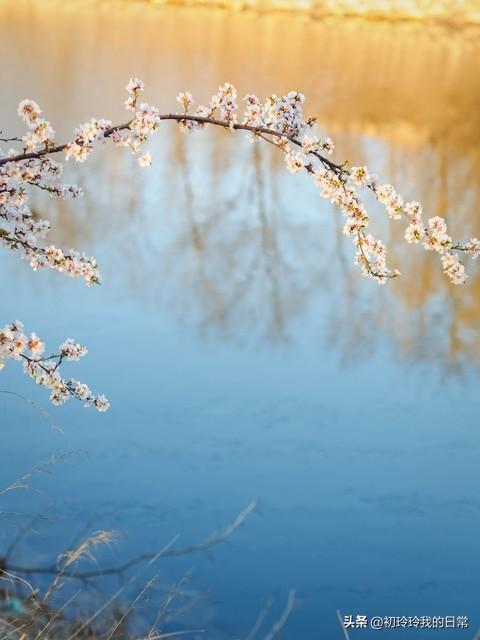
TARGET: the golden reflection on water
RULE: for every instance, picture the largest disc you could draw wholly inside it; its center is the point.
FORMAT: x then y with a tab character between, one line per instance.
456	12
235	250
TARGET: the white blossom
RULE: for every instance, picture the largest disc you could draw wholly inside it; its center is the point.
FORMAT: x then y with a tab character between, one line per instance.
16	345
453	268
145	160
360	176
134	88
387	195
29	111
185	99
414	233
295	161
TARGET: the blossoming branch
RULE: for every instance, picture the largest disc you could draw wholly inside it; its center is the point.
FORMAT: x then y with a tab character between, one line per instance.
279	120
15	344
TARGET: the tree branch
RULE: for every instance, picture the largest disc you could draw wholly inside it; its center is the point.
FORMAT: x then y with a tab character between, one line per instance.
178	117
214	539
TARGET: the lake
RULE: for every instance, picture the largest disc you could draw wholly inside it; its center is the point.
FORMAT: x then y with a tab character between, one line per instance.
244	356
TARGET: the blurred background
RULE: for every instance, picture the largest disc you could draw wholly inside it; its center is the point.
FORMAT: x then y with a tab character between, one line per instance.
244	355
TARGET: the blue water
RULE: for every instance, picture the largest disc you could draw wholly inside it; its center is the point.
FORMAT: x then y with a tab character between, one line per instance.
363	458
244	356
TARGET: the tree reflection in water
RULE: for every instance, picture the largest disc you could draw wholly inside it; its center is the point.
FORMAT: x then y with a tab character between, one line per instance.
235	247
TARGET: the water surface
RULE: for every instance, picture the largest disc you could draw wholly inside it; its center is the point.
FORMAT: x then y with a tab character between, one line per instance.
244	356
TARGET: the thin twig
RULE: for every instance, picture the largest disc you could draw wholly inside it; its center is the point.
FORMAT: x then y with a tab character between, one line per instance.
173	634
14	139
340	619
177	117
117	594
20	535
278	626
41	467
260	618
131	606
57	614
41	410
214	539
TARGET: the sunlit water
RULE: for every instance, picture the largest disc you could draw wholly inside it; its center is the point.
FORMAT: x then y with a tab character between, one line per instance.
244	356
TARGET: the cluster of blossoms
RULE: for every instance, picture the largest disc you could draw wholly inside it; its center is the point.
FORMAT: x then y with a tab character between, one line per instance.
40	132
371	254
278	120
85	137
433	235
19	228
145	122
222	107
341	184
15	344
285	114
